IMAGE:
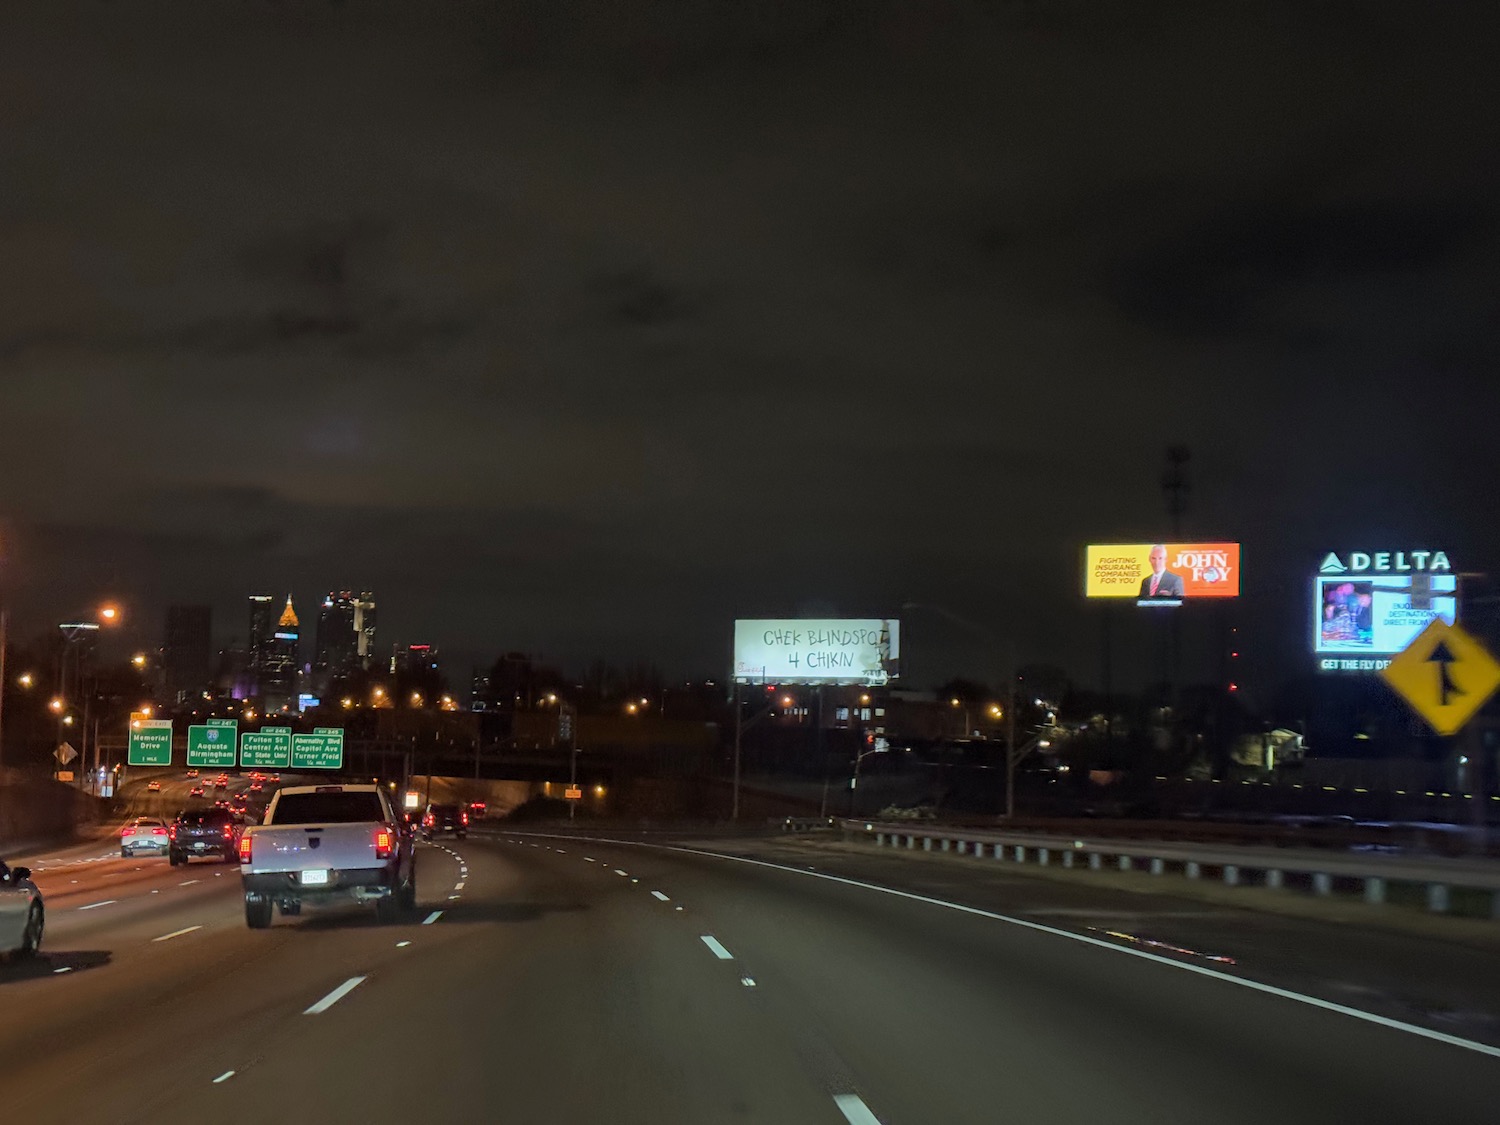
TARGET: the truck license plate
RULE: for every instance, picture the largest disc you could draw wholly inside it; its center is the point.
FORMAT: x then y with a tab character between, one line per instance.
311	878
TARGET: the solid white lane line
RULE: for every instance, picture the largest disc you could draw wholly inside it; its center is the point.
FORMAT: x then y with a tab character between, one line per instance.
660	897
431	918
335	996
624	873
176	933
96	905
225	1077
853	1107
189	883
1098	943
719	951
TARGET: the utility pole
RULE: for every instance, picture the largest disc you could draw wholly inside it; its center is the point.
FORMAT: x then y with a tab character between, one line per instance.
1010	746
4	633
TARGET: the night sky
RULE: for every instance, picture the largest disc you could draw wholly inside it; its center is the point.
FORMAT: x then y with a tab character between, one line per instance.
583	328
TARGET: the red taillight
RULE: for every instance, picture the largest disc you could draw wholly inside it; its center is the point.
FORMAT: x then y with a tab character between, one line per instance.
245	849
158	831
229	830
383	843
126	831
465	818
430	821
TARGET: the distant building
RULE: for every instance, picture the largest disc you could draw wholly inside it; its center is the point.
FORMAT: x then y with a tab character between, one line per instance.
346	632
188	652
278	670
262	626
414	660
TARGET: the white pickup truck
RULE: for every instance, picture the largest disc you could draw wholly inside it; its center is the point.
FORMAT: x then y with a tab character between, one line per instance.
328	843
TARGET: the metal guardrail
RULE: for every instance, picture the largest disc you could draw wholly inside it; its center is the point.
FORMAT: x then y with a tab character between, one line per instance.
1276	868
803	823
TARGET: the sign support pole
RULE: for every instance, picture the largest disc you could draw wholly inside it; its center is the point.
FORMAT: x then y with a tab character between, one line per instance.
739	724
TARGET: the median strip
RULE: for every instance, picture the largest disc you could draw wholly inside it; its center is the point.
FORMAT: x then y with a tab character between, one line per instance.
175	933
335	996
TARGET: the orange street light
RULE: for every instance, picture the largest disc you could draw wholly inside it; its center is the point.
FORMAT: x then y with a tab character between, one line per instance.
56	705
139	660
109	614
25	679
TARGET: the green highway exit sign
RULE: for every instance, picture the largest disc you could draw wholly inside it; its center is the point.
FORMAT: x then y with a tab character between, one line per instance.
268	748
321	750
150	742
212	745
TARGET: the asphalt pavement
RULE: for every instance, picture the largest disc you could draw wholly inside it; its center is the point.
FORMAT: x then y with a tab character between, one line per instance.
554	980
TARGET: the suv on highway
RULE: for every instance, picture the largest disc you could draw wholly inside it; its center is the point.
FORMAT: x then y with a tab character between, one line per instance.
205	832
144	833
445	818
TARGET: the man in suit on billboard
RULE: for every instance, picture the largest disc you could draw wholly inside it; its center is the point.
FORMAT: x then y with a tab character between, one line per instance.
1161	582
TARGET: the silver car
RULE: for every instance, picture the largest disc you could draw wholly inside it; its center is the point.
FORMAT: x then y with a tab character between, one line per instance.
22	915
145	833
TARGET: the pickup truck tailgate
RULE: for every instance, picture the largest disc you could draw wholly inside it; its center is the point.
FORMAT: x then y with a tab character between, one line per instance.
315	847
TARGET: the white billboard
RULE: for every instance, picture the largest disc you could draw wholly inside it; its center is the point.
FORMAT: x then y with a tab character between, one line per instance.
817	651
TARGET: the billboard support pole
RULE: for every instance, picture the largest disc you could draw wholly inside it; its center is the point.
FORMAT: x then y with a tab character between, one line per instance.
739	724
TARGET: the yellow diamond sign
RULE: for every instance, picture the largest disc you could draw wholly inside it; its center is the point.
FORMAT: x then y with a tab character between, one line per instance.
1445	674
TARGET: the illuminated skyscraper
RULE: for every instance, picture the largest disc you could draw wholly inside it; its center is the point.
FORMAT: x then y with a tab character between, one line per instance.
262	625
278	675
346	631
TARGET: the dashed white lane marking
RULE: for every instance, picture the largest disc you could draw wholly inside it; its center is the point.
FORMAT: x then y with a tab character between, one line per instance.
561	852
431	918
659	897
635	880
452	897
719	951
853	1107
402	944
624	873
225	1077
748	982
335	996
189	883
176	933
96	905
64	969
588	859
458	886
679	908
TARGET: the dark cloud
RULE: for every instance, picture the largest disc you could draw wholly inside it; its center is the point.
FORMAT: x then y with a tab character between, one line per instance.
587	327
1238	270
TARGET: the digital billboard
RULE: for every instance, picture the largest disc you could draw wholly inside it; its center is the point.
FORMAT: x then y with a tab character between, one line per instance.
1369	605
817	651
1162	573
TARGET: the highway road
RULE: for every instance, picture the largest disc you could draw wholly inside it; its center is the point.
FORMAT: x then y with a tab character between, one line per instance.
553	980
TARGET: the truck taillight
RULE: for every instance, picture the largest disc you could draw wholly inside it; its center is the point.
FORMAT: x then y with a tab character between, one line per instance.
245	849
383	840
172	832
229	830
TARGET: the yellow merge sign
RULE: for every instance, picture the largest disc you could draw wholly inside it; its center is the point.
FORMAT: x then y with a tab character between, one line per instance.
1445	674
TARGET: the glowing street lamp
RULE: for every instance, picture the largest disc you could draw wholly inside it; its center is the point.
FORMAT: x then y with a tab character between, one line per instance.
109	614
56	705
25	679
139	660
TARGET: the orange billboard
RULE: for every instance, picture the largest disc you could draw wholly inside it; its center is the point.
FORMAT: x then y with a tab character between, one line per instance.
1162	572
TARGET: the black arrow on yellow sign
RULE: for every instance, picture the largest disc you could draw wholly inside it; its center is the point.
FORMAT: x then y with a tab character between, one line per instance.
1443	657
